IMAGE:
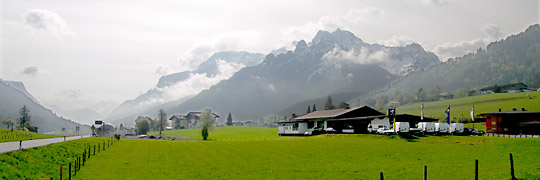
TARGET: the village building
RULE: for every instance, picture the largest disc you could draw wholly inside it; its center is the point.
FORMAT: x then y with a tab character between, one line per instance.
446	95
188	121
513	122
507	88
346	120
179	122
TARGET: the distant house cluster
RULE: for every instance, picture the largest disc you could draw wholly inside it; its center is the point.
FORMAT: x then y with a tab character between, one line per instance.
187	121
507	88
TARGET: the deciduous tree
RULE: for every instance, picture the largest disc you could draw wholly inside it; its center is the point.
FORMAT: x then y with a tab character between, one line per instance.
207	122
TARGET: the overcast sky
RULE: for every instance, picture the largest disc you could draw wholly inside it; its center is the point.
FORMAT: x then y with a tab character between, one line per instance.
75	54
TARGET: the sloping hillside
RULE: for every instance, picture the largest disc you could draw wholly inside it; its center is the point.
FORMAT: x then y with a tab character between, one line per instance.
12	99
514	59
460	108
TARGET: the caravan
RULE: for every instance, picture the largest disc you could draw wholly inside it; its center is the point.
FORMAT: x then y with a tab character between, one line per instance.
456	128
427	127
441	128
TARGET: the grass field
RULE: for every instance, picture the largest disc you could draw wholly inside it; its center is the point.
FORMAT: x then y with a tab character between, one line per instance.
227	133
460	108
318	157
44	162
6	135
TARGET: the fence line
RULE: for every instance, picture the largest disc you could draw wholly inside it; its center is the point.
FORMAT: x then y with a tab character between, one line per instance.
476	172
84	157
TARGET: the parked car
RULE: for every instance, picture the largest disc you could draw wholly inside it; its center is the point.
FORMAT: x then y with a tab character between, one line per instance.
427	127
330	130
472	131
382	130
456	128
372	128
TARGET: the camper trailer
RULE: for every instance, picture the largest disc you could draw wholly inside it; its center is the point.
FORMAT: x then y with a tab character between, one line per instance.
456	128
427	127
441	128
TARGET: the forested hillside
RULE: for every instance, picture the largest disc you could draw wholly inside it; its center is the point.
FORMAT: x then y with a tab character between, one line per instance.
511	60
514	59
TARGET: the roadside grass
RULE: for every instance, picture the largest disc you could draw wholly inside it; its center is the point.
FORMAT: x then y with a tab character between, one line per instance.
227	133
44	162
6	135
319	157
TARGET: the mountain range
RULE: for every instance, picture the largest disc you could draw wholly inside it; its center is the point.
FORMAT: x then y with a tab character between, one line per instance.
252	86
178	87
14	96
510	60
333	62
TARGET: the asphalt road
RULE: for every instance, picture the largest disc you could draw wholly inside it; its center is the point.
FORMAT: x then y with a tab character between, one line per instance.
14	146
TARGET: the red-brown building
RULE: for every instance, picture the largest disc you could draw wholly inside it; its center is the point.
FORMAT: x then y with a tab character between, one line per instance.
513	122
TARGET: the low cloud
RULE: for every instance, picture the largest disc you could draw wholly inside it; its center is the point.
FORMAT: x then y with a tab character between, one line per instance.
331	22
397	41
70	94
30	71
230	41
493	31
437	3
456	49
162	69
45	22
193	85
338	57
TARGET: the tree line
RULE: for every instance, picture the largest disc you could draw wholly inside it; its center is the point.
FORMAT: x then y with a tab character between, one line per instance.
23	122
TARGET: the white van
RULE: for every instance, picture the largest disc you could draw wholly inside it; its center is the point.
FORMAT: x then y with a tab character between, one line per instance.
427	127
456	128
441	128
402	127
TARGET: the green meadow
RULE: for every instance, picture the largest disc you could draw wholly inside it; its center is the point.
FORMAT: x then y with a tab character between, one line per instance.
227	133
318	157
259	156
461	107
6	135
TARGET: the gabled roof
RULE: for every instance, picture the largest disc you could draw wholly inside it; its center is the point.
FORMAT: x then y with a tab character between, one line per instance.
511	112
177	117
199	114
341	113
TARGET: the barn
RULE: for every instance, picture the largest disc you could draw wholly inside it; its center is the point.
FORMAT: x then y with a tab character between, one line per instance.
513	122
345	120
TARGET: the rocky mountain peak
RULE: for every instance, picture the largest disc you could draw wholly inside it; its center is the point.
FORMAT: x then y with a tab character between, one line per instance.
300	47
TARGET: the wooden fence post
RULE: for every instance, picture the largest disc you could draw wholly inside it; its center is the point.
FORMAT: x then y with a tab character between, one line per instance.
69	172
425	172
94	150
75	167
89	153
98	148
476	169
512	167
60	172
382	176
